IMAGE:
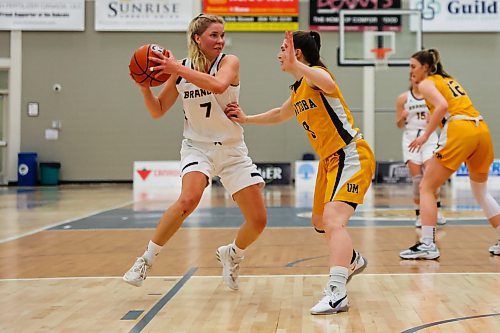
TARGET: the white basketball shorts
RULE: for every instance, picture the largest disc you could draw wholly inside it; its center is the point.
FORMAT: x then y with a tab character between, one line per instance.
230	162
425	152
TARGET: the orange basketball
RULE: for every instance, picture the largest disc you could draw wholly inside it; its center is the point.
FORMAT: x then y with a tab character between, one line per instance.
140	65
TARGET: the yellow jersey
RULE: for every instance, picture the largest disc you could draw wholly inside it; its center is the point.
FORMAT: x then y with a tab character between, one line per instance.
459	102
325	117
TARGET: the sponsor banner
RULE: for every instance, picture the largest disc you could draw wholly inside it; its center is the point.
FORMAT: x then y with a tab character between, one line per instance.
459	15
392	173
251	15
460	178
305	174
157	173
42	15
143	15
324	15
275	173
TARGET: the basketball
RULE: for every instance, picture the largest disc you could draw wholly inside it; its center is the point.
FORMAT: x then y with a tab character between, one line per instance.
140	65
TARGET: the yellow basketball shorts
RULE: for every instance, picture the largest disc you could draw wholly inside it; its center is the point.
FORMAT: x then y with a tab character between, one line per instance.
465	141
344	176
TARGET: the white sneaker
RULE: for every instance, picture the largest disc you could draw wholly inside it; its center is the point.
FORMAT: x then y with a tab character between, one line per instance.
334	301
358	265
421	251
137	273
441	220
230	263
418	222
495	249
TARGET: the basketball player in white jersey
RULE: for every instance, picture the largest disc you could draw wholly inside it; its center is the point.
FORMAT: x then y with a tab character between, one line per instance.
412	114
213	145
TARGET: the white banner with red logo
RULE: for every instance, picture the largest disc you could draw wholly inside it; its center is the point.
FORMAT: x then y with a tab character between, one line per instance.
158	180
157	174
143	15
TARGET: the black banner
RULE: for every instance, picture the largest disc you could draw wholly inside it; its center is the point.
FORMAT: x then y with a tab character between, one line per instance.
275	173
392	173
324	15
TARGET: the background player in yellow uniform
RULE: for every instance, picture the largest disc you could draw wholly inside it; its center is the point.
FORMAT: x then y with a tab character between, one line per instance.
346	161
465	137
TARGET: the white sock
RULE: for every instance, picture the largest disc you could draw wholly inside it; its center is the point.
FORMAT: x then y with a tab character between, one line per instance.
239	252
498	232
151	252
338	277
428	235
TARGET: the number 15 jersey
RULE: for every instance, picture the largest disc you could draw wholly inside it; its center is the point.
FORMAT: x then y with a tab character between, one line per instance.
204	117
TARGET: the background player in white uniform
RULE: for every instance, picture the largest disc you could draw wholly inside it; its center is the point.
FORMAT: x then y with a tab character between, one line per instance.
412	114
213	144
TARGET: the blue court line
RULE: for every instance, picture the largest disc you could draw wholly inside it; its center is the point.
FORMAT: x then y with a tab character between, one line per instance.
291	264
161	303
132	315
418	328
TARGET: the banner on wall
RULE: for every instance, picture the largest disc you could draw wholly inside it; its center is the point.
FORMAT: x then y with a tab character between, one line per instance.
42	15
460	179
390	172
157	173
251	15
275	173
459	15
143	15
324	15
305	174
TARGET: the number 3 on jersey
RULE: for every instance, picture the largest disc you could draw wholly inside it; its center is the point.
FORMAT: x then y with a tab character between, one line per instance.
207	105
307	128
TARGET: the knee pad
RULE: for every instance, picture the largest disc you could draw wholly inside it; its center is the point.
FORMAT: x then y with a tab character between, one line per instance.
416	186
484	199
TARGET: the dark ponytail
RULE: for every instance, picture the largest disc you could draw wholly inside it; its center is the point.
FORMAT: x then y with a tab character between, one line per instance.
431	58
309	42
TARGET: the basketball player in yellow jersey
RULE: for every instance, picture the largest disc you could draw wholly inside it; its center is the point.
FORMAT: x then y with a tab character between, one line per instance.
465	137
346	162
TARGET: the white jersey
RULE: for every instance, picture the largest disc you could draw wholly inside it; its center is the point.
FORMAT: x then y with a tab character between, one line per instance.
415	125
418	112
204	117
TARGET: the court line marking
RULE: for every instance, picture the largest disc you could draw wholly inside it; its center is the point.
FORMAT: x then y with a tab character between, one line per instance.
32	232
139	229
418	328
248	276
292	263
161	303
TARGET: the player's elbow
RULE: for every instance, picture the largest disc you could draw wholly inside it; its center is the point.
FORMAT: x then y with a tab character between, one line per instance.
219	89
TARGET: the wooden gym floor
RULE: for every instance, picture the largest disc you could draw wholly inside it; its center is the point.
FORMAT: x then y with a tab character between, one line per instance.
64	249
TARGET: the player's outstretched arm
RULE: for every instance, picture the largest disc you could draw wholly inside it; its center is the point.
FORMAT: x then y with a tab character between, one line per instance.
273	116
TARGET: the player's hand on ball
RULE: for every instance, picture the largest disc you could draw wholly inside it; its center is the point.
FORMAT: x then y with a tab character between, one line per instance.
164	64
